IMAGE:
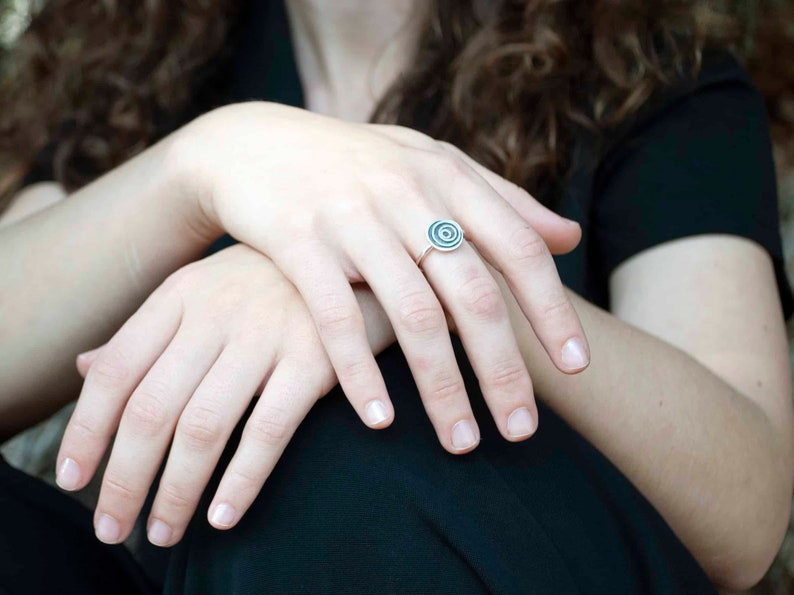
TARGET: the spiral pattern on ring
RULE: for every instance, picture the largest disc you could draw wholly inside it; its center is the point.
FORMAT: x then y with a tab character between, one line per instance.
445	234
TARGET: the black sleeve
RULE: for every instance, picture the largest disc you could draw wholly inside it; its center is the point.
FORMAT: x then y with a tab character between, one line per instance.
700	164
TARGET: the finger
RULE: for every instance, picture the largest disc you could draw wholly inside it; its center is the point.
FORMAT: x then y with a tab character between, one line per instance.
421	328
560	234
340	324
516	250
84	361
146	428
473	298
203	430
532	277
112	377
288	396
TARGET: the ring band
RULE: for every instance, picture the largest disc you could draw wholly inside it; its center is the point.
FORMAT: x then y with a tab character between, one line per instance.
444	235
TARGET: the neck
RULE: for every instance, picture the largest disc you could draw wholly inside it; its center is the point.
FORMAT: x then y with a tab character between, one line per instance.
350	51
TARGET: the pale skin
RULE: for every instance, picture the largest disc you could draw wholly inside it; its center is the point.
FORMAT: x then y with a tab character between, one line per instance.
704	438
246	163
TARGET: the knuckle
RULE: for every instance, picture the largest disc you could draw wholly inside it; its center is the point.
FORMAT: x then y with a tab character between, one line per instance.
181	279
357	371
509	375
446	389
84	430
420	313
269	427
120	489
351	207
557	307
171	283
147	410
174	499
418	138
201	427
336	317
526	245
450	164
481	297
182	283
245	481
110	368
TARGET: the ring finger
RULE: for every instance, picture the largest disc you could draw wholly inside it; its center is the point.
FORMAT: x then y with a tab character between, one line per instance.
421	328
471	295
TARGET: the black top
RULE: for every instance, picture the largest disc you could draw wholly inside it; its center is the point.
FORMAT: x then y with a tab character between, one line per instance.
548	515
352	510
696	160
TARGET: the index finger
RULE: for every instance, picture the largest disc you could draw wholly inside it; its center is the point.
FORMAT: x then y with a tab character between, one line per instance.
111	378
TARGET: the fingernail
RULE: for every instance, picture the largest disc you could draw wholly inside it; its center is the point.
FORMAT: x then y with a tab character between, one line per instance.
574	354
108	529
159	533
571	221
463	435
520	423
88	355
68	476
223	515
376	413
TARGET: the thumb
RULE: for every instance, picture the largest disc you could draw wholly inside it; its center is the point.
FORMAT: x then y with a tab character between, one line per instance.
84	360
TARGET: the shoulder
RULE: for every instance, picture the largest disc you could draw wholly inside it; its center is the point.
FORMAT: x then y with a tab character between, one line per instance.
701	146
721	83
696	160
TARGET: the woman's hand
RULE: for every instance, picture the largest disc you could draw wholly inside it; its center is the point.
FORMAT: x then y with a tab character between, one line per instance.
181	373
334	203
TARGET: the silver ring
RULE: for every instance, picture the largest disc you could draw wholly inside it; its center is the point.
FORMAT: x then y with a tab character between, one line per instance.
444	235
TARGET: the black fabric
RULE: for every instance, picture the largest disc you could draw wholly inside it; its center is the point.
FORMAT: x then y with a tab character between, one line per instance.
353	510
702	164
697	160
47	545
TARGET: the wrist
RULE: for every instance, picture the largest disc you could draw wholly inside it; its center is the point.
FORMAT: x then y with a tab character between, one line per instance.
210	146
186	178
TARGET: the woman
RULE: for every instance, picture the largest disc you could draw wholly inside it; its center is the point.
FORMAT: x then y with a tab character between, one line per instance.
689	370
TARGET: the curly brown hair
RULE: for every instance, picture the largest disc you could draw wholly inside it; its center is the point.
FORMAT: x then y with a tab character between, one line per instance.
507	81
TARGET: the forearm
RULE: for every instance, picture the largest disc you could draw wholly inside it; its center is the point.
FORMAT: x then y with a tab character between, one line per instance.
72	273
702	453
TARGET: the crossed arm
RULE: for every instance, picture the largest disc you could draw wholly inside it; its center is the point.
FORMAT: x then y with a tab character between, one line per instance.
688	392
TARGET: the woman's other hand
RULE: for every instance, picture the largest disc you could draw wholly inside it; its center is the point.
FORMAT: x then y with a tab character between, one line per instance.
334	203
180	374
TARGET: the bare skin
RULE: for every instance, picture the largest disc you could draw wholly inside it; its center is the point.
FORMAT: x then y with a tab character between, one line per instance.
654	383
718	444
704	438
